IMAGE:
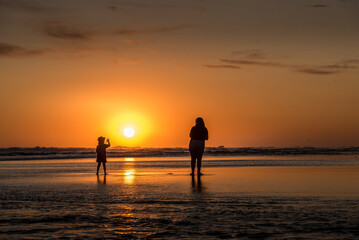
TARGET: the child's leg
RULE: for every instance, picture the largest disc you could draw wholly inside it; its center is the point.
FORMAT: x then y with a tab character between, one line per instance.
98	167
104	168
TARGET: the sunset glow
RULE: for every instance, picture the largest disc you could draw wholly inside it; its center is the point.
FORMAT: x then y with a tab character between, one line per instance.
179	119
254	78
129	129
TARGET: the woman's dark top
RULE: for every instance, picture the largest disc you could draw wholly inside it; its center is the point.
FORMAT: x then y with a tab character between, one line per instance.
101	152
199	133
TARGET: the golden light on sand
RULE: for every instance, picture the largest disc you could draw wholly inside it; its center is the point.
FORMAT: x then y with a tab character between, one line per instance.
129	132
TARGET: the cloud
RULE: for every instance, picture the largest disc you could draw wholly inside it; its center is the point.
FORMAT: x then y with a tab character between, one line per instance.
169	29
319	5
113	8
330	69
9	50
126	31
166	6
155	30
33	6
316	71
221	66
251	54
249	62
351	61
62	31
257	54
259	58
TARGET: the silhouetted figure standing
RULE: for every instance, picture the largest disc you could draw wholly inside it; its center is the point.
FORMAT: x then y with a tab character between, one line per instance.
199	134
101	153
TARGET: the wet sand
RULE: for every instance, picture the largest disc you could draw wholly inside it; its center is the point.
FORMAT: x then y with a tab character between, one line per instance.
240	202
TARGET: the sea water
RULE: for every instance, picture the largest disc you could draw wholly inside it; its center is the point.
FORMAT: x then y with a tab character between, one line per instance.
284	197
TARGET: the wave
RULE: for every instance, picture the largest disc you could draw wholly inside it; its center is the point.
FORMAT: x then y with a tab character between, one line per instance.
18	153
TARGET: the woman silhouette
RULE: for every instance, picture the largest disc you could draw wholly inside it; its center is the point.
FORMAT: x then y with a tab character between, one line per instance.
199	134
101	153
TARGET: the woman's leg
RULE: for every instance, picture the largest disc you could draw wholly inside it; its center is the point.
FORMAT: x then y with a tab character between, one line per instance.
104	168
199	159
193	162
98	167
199	164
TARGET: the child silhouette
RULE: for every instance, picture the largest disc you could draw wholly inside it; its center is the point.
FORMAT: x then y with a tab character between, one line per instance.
101	153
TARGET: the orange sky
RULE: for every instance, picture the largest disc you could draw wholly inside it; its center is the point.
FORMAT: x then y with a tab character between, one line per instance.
260	73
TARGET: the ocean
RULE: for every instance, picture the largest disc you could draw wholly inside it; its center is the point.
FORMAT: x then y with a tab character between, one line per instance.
253	196
17	153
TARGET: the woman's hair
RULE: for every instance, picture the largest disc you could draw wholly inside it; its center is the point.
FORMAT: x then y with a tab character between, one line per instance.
199	122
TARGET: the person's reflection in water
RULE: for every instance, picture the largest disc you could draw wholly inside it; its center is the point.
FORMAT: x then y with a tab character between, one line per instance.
100	181
197	187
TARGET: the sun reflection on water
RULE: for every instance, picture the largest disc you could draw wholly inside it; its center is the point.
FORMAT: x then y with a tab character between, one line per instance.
129	176
129	159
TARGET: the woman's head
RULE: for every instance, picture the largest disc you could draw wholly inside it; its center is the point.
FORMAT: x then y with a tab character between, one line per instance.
199	122
101	140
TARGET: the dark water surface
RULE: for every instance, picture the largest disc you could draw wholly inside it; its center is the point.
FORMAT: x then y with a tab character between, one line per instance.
66	200
18	153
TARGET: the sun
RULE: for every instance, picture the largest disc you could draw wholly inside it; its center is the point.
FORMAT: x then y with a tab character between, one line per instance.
129	129
129	132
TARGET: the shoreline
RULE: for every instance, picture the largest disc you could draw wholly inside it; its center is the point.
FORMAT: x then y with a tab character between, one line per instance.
259	180
184	162
65	199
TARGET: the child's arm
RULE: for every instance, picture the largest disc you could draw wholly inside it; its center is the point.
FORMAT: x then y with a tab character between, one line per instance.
109	144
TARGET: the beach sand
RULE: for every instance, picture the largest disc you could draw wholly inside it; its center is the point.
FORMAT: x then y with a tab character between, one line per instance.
53	201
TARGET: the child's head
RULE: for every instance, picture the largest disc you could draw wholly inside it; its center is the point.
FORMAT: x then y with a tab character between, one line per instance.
101	140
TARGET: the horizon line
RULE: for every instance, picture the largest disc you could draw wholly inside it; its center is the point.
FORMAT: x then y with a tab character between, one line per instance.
220	146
